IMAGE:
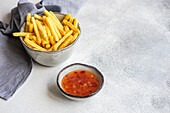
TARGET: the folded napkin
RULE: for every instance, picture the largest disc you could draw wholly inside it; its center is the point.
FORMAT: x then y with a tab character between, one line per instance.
15	64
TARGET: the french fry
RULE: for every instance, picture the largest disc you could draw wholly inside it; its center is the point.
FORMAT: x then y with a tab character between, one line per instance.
34	41
27	26
52	40
45	42
28	17
31	28
51	27
71	19
28	37
44	19
56	18
42	30
75	22
74	37
65	43
47	13
42	23
38	40
66	28
56	30
55	47
33	38
71	26
29	45
47	46
28	20
67	17
47	28
47	38
38	17
22	34
34	44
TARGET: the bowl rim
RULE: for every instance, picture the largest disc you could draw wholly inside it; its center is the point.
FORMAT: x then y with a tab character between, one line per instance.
75	96
22	41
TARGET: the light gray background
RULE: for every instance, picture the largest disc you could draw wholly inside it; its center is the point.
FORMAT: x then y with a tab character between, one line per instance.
128	40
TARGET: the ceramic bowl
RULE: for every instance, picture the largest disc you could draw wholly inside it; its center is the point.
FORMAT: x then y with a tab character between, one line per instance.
51	58
79	66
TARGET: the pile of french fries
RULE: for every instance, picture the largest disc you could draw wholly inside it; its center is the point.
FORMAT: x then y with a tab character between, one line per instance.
47	33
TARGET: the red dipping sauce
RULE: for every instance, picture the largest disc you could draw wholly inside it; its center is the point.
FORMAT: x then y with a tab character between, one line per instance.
80	83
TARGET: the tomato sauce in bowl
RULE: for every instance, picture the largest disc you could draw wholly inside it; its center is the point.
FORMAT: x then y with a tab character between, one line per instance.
80	83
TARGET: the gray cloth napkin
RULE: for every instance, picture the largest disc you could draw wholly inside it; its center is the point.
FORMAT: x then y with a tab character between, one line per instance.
15	64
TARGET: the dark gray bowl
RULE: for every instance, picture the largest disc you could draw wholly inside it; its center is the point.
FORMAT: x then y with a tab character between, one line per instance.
79	66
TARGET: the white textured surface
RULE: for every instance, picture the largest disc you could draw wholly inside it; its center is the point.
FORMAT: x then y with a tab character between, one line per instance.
129	41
